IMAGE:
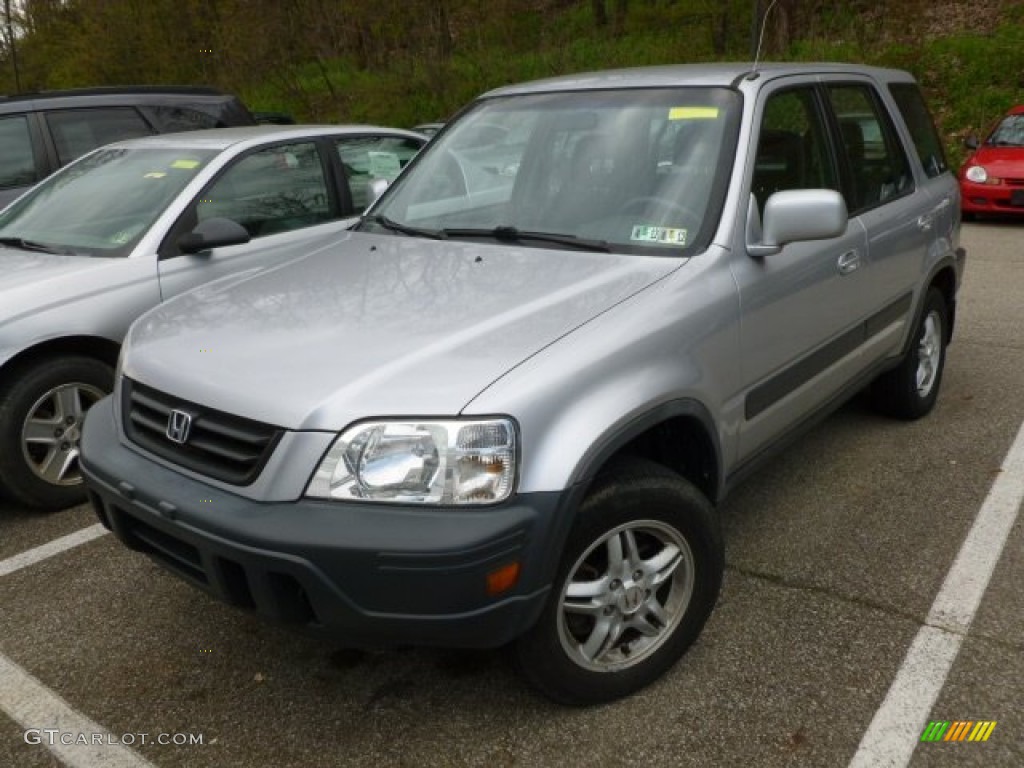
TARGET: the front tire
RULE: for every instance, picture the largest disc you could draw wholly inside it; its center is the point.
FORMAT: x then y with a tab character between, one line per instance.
42	409
639	576
910	390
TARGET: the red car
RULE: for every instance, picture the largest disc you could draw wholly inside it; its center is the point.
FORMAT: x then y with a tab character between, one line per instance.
992	177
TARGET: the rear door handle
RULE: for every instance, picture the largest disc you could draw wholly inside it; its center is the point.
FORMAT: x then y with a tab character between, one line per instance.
848	262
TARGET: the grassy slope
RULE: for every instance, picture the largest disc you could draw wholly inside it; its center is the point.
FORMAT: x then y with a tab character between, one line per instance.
969	77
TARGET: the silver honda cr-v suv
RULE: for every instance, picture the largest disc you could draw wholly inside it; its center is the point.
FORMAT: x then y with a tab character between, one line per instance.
505	406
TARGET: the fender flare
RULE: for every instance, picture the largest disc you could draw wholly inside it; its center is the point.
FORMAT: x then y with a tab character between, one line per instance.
946	262
619	435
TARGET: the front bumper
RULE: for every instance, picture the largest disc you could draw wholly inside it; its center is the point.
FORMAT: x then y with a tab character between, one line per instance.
1004	199
367	574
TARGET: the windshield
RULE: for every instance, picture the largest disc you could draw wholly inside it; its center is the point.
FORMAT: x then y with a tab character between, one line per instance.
626	170
1009	132
102	205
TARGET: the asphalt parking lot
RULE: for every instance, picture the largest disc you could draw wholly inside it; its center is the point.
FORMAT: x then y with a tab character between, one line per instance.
836	553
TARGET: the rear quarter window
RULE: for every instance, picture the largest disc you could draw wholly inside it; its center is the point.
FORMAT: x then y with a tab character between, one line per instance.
919	122
177	119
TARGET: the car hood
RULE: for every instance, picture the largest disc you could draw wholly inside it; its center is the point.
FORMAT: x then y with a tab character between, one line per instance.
31	282
376	326
1000	162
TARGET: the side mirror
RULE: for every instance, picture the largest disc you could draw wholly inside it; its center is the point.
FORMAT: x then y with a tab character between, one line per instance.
792	216
377	187
971	142
213	233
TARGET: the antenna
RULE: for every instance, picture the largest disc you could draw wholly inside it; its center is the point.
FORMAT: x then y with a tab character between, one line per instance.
760	39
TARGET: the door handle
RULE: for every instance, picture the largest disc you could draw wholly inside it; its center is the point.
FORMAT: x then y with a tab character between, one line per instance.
848	262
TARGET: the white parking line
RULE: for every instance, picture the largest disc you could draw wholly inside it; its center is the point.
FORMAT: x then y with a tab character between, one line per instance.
34	706
55	547
896	728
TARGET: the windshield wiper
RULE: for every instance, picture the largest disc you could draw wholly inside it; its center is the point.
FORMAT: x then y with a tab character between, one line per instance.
404	229
512	235
32	245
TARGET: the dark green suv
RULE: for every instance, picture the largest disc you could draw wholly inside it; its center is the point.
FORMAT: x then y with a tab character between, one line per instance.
40	132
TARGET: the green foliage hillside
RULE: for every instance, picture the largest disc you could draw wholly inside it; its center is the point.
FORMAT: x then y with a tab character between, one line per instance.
401	62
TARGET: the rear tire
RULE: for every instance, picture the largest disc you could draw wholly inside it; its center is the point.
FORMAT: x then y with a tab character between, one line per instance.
41	413
909	391
639	576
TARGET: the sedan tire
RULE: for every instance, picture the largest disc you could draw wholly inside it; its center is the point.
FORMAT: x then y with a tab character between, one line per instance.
42	409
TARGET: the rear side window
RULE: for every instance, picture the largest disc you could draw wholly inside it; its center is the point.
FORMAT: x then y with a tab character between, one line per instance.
879	168
77	131
366	158
17	165
176	119
922	130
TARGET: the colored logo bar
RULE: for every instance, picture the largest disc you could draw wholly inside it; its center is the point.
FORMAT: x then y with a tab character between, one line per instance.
958	730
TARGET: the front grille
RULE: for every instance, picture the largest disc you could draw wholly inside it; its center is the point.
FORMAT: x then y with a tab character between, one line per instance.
219	445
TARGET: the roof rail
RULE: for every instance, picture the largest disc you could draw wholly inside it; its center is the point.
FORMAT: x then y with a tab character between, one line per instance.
114	90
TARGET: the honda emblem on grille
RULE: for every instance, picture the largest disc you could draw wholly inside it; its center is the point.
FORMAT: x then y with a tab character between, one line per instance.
178	425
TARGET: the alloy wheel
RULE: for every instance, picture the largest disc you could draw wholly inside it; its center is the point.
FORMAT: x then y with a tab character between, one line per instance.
625	595
929	353
52	430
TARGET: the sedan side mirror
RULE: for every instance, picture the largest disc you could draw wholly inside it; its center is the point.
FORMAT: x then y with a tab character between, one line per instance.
213	233
794	215
971	142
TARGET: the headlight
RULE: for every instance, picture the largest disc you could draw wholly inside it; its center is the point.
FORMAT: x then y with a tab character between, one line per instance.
977	174
421	462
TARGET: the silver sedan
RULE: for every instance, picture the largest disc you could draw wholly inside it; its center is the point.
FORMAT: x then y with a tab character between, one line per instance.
131	224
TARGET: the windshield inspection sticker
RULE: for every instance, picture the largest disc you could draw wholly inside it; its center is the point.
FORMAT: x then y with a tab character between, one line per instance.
662	235
693	113
185	164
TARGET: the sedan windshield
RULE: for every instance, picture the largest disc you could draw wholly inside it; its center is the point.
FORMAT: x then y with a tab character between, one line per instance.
637	170
102	205
1009	132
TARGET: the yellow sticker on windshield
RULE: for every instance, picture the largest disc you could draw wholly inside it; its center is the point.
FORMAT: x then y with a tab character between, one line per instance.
154	175
661	235
693	113
186	164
